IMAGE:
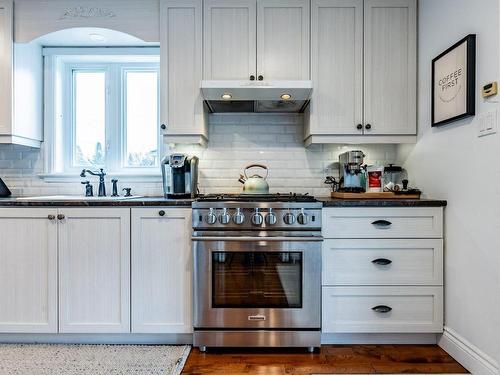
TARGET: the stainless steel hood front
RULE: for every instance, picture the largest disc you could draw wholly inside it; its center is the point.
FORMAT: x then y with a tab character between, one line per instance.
256	96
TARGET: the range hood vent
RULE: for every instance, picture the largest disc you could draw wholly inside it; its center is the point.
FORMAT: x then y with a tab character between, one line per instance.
256	96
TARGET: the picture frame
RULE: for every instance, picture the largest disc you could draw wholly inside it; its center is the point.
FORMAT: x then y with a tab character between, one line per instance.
453	84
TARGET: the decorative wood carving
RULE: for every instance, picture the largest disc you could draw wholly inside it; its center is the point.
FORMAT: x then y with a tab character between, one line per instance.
81	12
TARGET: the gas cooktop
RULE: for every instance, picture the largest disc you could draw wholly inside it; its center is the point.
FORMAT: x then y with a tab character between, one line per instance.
278	197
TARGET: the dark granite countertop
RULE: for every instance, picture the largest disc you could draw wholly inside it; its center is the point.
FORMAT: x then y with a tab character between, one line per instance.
135	202
335	202
163	202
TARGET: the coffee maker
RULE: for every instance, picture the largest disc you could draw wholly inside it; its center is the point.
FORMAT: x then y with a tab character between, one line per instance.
352	173
180	176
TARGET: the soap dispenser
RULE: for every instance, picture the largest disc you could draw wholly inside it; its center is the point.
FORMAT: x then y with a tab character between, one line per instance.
4	190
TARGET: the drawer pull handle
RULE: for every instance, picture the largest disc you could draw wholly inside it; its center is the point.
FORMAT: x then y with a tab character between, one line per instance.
382	261
382	309
382	223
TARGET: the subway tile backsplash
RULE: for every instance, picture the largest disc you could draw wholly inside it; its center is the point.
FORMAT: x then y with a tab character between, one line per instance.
235	141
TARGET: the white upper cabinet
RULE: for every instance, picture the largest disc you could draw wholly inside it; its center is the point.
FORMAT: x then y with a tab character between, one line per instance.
229	39
21	85
363	67
182	114
337	66
390	67
283	39
94	270
6	66
256	40
28	270
161	270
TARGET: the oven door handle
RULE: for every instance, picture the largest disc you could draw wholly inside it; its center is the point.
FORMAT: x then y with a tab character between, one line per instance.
258	239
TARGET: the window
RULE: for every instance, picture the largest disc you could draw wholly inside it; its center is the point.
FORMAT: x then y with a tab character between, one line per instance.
103	110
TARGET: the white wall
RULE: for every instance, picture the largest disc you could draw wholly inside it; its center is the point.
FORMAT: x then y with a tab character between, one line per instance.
452	163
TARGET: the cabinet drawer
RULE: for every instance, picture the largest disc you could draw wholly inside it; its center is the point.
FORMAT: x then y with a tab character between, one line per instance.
422	222
383	262
382	309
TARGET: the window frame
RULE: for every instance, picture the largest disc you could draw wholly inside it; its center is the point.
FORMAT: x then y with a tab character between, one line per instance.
59	142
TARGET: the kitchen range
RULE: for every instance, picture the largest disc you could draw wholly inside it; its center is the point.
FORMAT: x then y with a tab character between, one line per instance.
257	270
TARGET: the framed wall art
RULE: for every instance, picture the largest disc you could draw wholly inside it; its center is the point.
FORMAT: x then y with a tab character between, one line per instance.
454	82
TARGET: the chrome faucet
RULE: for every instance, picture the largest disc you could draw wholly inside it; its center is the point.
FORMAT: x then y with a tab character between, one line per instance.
101	174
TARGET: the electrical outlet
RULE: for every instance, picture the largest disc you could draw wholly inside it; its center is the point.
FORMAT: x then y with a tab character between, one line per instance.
487	123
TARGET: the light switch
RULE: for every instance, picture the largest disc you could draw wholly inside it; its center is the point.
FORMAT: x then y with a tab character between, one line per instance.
487	123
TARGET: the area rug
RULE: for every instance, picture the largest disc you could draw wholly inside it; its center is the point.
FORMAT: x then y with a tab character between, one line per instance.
21	359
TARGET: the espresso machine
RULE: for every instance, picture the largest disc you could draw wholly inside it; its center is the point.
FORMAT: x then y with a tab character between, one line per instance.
180	176
352	172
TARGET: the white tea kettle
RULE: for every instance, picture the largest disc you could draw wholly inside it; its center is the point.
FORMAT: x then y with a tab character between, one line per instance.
255	184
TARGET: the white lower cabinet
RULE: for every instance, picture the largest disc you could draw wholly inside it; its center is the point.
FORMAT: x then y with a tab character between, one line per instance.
161	270
382	270
28	270
94	270
376	309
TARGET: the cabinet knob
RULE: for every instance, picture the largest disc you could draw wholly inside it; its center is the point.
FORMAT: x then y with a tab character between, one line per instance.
368	126
163	127
260	78
161	213
51	217
252	78
359	126
61	217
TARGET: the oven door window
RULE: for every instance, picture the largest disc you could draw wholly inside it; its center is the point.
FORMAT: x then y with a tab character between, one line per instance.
257	279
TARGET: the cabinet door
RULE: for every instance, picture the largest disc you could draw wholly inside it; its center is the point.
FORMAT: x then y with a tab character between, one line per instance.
230	39
336	66
283	39
94	270
28	270
6	34
390	66
181	71
161	270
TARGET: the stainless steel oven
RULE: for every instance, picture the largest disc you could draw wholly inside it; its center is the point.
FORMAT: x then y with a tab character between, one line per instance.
257	284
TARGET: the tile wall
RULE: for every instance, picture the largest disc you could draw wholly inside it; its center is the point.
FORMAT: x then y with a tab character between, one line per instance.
235	141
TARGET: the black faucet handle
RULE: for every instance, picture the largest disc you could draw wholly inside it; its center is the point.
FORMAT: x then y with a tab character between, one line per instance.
89	190
82	173
114	181
127	192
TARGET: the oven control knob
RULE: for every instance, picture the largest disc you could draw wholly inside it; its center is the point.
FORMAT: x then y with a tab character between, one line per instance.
289	218
238	217
303	218
271	218
211	218
257	218
224	217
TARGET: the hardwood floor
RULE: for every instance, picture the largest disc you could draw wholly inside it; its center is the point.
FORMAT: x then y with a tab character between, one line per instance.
331	359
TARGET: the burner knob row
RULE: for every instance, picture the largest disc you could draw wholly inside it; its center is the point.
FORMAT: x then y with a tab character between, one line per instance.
256	219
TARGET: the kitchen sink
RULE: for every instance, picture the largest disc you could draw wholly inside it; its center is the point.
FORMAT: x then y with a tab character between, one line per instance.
75	198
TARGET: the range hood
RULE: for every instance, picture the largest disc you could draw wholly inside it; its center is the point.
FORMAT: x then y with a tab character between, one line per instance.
256	96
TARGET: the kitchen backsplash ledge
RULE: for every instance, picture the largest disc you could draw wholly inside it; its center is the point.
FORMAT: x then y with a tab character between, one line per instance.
236	140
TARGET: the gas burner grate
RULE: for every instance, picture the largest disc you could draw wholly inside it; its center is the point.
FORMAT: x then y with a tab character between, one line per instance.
278	197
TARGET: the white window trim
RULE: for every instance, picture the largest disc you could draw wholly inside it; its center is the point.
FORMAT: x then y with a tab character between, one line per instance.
54	60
